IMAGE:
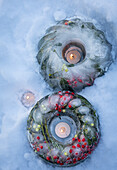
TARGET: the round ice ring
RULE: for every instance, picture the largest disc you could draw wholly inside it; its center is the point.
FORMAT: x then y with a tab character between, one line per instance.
75	117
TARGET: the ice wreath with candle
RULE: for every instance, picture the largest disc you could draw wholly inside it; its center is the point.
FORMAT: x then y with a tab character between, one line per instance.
63	128
72	54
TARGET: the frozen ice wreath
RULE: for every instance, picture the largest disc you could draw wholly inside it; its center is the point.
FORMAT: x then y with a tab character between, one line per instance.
63	128
72	54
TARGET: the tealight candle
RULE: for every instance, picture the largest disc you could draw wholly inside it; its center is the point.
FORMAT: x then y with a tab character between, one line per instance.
73	55
74	52
62	130
28	99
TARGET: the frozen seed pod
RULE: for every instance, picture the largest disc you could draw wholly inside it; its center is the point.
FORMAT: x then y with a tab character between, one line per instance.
65	131
72	54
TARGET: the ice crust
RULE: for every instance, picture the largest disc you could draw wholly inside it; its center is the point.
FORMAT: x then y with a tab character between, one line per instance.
22	24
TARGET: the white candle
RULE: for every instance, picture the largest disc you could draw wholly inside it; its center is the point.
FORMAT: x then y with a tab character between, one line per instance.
73	55
74	52
62	130
28	99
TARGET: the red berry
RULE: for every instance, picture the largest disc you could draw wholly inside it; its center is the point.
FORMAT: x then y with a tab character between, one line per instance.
88	84
73	146
70	106
48	158
83	140
89	152
75	82
57	114
72	93
38	149
66	92
78	159
73	139
95	144
59	110
74	162
70	151
38	137
86	154
80	80
55	157
78	145
58	161
59	107
81	154
64	98
71	97
61	96
68	158
85	143
61	163
76	153
41	147
74	159
79	140
83	146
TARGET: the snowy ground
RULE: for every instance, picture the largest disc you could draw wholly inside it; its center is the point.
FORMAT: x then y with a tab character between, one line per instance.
22	24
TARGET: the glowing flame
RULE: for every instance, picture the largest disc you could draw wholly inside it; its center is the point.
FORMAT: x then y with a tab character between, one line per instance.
63	130
71	57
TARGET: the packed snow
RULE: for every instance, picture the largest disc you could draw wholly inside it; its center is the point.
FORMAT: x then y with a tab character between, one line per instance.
22	24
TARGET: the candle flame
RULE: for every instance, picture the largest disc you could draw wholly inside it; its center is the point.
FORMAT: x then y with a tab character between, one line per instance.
27	97
71	56
62	129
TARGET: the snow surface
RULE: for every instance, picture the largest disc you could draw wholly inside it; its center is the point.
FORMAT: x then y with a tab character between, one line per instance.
22	24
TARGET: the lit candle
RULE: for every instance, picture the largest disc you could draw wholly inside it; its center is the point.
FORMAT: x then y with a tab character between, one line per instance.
28	99
74	52
62	130
73	55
